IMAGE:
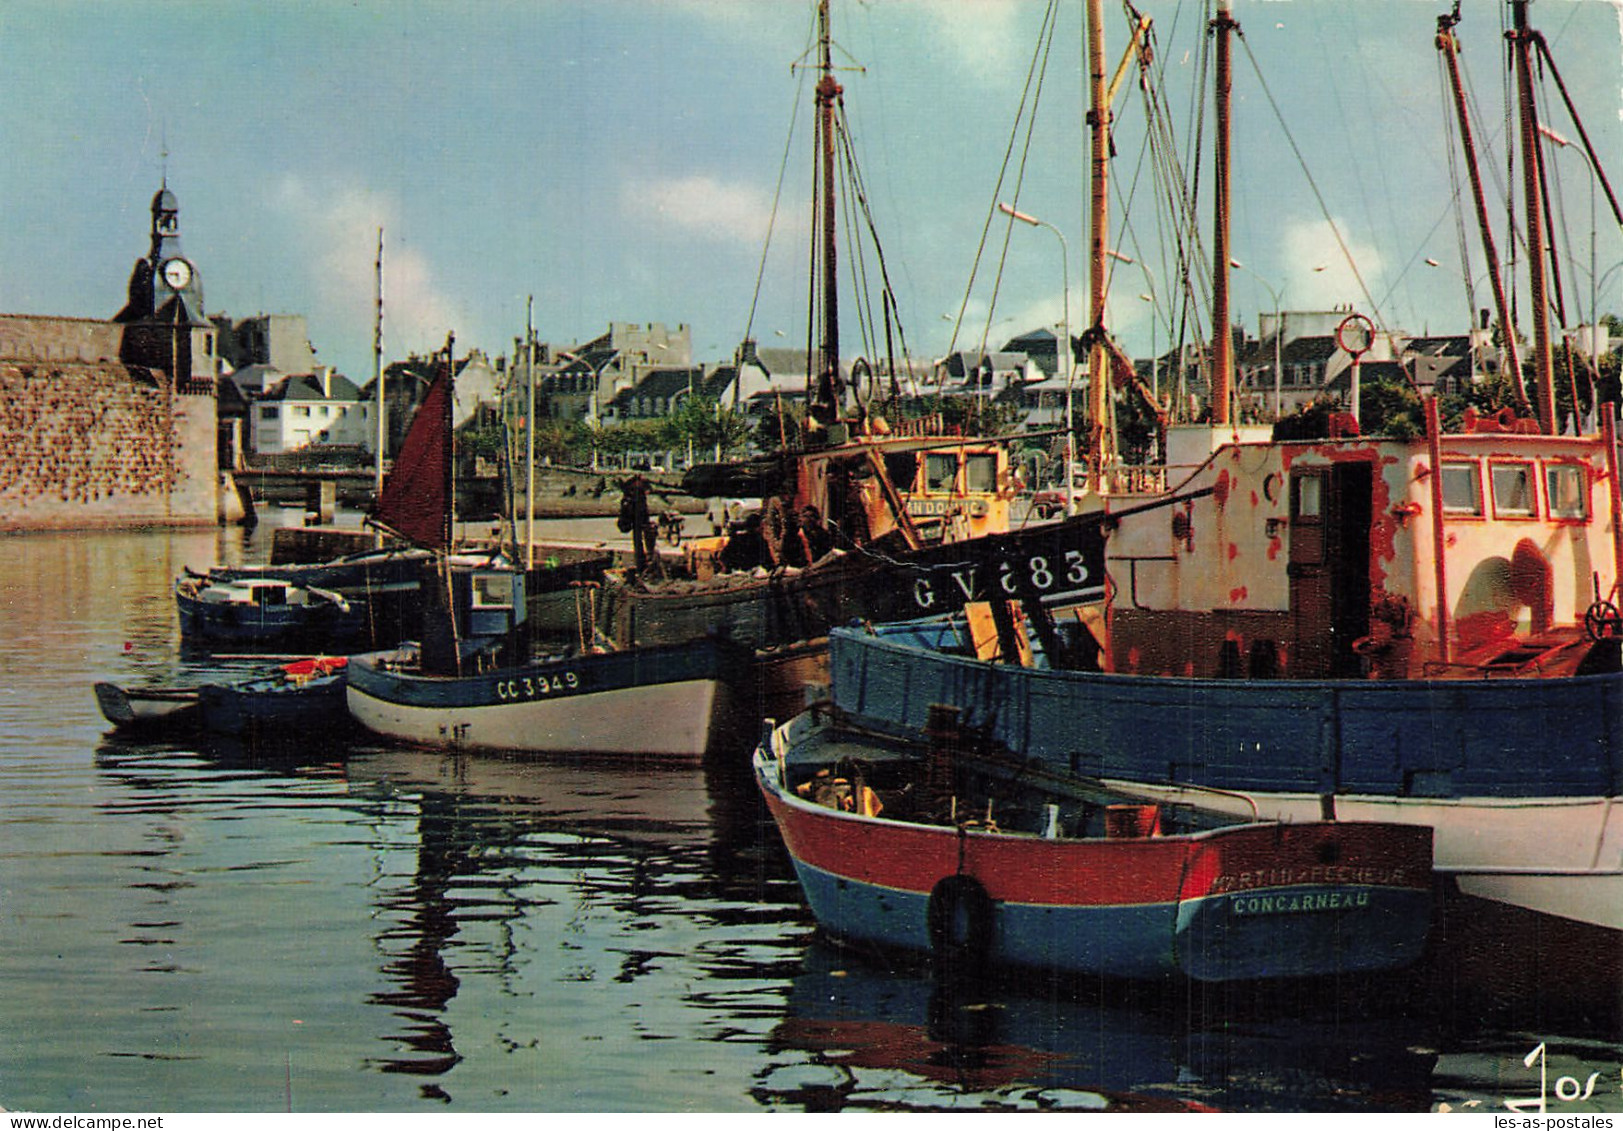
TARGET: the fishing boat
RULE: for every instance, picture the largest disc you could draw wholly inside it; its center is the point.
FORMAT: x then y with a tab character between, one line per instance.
1421	629
382	587
260	613
943	847
306	692
864	515
674	702
298	698
474	681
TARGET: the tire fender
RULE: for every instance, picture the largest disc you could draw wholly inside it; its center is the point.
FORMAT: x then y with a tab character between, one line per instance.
959	917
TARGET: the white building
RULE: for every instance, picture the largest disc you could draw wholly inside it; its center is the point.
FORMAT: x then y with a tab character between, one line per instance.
318	409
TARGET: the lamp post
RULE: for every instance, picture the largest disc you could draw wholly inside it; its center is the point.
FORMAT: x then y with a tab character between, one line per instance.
1064	351
1594	289
1278	333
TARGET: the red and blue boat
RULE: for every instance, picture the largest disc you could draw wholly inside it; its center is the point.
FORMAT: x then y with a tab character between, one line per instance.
943	847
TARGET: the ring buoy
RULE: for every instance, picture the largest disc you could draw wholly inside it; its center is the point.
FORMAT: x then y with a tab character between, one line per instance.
959	916
775	529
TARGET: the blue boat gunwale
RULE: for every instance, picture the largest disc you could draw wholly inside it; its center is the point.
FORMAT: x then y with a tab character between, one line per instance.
1505	736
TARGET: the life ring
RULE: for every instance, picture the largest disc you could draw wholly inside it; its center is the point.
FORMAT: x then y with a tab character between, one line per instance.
775	529
959	916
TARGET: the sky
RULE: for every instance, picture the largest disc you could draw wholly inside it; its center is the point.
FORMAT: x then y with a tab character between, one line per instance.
619	160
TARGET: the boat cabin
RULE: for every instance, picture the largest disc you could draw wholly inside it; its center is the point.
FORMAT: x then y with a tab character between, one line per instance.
1369	558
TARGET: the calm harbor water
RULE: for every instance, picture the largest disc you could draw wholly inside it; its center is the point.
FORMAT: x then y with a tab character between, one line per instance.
337	925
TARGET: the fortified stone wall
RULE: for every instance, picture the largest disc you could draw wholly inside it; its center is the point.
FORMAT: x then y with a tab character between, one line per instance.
100	445
50	339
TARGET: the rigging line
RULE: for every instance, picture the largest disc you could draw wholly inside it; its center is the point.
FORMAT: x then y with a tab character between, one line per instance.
1324	208
853	200
1044	35
1046	48
777	196
1040	64
1557	296
1577	122
859	183
1453	144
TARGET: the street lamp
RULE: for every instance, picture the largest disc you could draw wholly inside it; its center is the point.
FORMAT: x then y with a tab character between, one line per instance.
1594	290
1279	329
1070	361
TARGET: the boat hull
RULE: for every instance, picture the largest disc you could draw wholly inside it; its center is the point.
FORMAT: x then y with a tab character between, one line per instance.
274	706
1518	776
323	625
1555	855
1242	903
673	703
147	708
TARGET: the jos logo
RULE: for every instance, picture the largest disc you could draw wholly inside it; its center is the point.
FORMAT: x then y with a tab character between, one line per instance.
1568	1089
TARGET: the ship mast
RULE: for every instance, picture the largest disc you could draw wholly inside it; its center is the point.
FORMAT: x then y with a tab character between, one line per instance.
827	401
1449	45
1098	231
1532	188
1222	343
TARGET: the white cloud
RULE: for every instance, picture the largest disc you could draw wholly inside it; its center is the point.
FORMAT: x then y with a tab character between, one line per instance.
337	230
702	205
985	39
1318	274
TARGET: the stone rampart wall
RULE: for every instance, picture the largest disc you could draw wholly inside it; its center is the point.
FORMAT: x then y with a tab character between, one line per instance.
86	446
28	337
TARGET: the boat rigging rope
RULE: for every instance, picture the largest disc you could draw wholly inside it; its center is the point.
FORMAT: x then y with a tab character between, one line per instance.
1029	95
1324	208
777	196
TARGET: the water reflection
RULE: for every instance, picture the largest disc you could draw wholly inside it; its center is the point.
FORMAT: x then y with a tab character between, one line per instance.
323	923
889	1040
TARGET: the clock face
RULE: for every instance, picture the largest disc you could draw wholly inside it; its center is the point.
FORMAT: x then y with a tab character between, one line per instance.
177	273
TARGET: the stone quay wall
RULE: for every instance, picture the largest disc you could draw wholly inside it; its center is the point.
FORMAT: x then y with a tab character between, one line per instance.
87	445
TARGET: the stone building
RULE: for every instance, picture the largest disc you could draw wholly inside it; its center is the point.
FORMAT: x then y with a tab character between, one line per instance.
113	423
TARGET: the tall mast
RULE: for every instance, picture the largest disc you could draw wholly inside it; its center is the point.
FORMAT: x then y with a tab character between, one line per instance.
1098	234
377	367
529	434
450	441
1532	191
1449	46
828	92
1222	344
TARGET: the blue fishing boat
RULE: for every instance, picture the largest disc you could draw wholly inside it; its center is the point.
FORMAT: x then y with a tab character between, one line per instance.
296	699
264	613
941	847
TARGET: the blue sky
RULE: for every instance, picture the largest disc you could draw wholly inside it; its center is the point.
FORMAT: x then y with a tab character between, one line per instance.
617	159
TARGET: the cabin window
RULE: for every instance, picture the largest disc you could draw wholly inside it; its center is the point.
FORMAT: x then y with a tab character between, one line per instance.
492	591
1462	489
1307	497
1513	490
1565	487
940	470
902	468
980	473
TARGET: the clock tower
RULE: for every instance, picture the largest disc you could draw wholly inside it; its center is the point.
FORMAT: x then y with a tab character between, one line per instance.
165	304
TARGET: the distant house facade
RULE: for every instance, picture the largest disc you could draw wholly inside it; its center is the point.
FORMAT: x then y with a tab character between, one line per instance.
317	410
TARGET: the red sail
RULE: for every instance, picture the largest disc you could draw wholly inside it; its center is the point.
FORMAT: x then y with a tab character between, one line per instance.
416	502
